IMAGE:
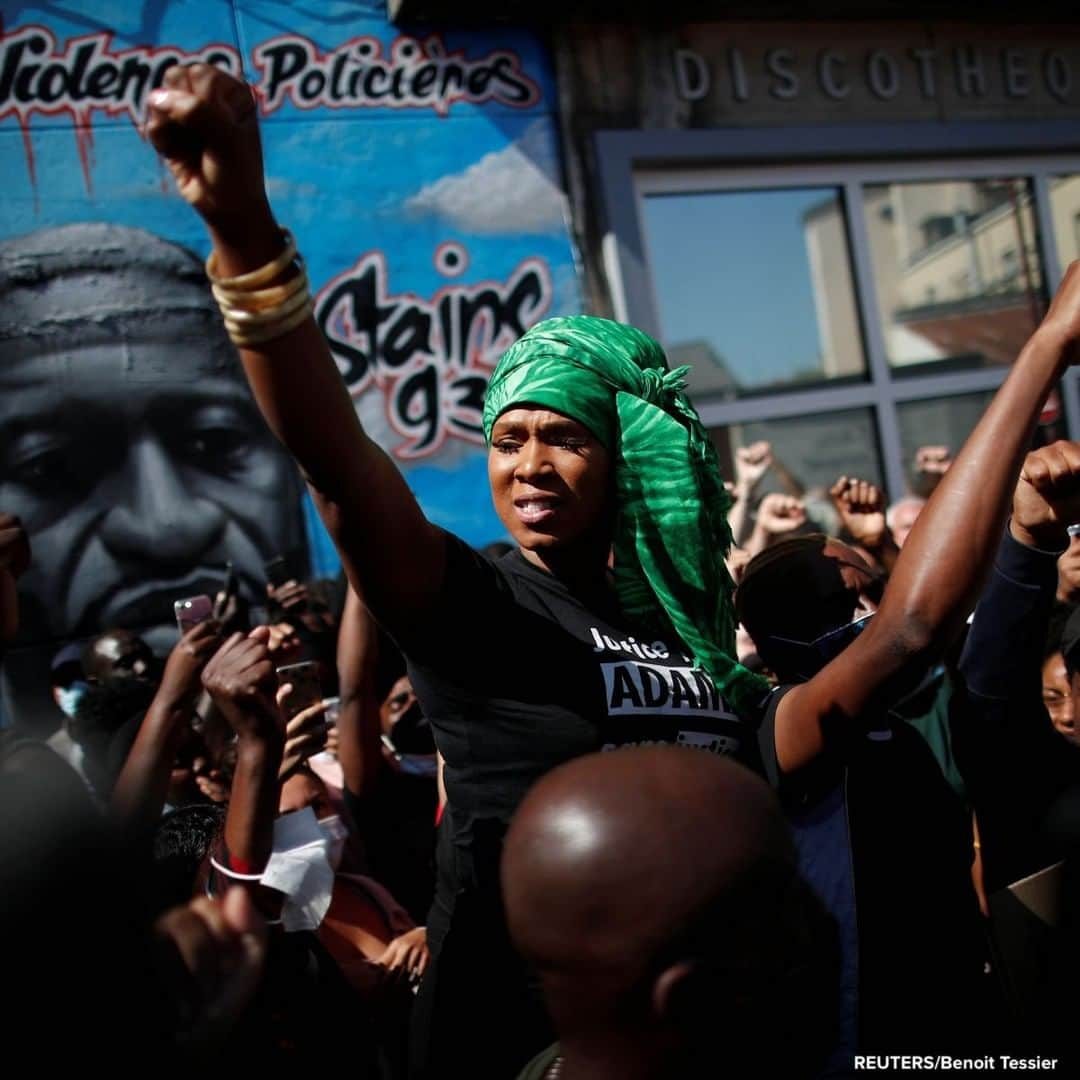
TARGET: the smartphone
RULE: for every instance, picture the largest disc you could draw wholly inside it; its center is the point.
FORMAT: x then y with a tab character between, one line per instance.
306	687
192	610
228	591
277	571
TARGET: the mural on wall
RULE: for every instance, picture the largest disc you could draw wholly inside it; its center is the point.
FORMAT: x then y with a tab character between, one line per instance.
419	174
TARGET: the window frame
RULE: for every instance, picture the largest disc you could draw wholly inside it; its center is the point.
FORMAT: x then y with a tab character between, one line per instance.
634	164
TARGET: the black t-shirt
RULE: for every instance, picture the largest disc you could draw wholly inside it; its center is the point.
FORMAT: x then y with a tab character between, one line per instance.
396	827
886	842
518	674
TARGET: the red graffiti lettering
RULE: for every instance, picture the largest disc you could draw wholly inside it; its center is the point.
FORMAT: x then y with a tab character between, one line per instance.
86	77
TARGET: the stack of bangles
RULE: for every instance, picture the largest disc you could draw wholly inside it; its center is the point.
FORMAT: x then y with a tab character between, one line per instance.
256	311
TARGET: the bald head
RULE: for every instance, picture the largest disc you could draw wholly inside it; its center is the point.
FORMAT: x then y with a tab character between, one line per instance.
631	875
117	654
612	855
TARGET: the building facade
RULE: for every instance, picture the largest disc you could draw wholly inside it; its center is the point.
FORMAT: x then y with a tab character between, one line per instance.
851	226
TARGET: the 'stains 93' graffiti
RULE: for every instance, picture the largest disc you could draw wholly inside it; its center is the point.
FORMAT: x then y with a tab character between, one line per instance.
430	358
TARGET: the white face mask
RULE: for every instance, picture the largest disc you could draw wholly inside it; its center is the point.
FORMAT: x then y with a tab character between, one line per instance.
68	698
333	828
299	866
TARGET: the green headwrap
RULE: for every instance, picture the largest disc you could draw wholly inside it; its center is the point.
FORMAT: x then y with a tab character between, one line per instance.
671	529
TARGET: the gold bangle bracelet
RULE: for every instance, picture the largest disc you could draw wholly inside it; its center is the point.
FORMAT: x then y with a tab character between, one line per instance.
275	330
242	320
261	299
254	278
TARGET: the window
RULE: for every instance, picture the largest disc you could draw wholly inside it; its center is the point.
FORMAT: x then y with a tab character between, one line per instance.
784	317
944	421
957	270
846	307
810	452
1065	210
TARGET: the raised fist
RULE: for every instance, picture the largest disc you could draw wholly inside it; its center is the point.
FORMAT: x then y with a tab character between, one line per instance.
861	506
780	514
1047	496
202	122
240	678
751	464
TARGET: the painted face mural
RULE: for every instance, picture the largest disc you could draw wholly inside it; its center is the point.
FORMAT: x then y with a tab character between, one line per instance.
420	175
129	444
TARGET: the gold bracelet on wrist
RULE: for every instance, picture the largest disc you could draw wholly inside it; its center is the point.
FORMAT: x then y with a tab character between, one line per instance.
254	278
256	311
261	299
275	330
243	318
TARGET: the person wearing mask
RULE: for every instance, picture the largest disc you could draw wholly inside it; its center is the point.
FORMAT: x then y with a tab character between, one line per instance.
885	833
359	950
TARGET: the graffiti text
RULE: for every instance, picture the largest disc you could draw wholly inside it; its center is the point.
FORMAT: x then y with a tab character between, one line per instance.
415	75
430	358
86	76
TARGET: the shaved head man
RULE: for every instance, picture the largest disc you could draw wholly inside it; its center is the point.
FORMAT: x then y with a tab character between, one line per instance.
655	891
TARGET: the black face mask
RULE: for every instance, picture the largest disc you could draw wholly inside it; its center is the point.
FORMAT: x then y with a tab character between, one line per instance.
805	659
411	734
106	707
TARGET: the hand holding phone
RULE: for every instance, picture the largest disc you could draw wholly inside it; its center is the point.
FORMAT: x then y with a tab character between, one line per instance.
228	592
306	686
277	571
192	610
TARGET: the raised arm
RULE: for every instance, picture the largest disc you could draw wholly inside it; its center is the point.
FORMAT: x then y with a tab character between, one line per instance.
202	122
359	749
751	464
240	679
1004	648
945	560
140	791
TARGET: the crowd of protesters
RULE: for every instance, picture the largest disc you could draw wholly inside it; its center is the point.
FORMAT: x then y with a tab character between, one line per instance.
371	823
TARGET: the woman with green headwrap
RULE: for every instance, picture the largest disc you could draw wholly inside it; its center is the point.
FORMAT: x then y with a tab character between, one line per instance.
595	455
